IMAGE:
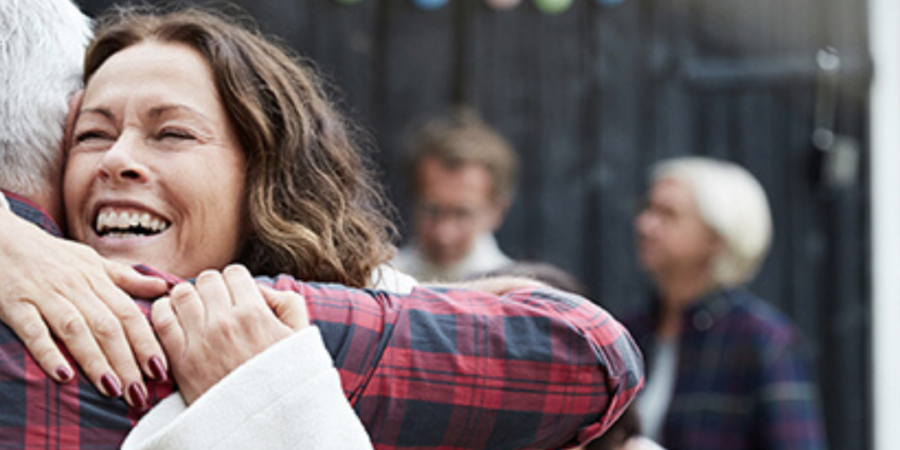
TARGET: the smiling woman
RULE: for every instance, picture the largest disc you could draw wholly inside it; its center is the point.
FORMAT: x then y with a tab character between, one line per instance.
230	145
703	234
156	175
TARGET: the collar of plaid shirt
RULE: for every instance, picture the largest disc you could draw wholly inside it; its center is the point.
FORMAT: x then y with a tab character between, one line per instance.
449	369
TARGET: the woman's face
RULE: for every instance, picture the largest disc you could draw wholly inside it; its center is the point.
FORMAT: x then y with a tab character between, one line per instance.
672	236
155	174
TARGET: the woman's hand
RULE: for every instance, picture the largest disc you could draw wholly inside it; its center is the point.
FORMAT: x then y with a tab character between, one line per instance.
49	283
211	329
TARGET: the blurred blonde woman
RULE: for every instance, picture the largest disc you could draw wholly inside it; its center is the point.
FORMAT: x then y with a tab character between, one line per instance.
726	369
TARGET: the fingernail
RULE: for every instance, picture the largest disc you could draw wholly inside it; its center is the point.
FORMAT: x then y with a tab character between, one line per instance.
64	373
111	386
136	394
157	370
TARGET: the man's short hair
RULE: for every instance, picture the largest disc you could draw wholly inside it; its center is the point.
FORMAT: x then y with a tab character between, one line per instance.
733	204
459	139
41	55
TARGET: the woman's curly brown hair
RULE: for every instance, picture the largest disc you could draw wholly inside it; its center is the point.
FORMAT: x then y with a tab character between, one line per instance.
315	211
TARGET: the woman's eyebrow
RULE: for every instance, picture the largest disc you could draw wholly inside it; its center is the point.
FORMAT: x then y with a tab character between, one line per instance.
158	111
101	111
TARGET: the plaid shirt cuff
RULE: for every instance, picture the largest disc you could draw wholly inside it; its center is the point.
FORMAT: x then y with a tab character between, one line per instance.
3	203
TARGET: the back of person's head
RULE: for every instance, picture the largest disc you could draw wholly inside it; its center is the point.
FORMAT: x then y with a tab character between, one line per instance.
733	204
314	208
544	272
462	138
42	45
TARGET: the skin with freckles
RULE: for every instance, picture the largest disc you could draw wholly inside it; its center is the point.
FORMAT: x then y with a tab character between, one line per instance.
152	140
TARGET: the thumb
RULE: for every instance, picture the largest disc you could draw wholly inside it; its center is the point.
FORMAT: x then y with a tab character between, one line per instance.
288	306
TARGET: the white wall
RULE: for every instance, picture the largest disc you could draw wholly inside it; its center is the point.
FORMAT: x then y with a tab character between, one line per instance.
884	18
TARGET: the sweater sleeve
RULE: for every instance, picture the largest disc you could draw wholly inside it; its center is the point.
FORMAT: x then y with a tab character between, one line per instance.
264	403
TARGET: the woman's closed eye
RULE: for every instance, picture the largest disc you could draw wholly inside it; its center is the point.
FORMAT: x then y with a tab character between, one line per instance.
174	133
89	136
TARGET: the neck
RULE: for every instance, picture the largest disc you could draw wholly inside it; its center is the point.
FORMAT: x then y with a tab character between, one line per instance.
677	292
49	200
51	203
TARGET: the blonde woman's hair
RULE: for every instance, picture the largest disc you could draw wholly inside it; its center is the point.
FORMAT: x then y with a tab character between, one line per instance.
733	204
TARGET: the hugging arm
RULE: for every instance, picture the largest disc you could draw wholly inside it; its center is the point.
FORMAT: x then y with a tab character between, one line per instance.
51	286
287	396
534	368
451	369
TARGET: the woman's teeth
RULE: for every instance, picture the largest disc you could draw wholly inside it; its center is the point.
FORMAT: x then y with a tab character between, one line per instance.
127	224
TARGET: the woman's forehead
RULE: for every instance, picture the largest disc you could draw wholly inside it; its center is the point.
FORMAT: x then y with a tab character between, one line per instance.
158	79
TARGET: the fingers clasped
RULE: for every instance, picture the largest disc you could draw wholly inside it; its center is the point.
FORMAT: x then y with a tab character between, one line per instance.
211	328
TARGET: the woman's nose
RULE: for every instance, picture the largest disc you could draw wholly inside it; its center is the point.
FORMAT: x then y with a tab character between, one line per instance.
645	222
122	161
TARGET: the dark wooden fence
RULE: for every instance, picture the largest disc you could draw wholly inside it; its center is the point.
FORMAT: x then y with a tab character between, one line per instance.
591	97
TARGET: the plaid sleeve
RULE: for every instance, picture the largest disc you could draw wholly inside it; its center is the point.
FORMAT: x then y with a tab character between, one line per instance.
356	326
459	369
36	412
789	404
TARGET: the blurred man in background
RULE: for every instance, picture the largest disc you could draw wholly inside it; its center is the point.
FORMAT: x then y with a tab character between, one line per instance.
462	174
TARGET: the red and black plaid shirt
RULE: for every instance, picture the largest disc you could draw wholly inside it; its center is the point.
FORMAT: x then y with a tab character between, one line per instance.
447	369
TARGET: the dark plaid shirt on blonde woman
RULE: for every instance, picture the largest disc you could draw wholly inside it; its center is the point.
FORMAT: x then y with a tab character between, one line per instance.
743	380
446	369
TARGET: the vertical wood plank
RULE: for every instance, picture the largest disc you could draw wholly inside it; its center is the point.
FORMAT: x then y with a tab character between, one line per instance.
413	81
613	121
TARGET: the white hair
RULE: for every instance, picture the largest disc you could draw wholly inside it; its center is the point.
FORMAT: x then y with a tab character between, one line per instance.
42	44
733	204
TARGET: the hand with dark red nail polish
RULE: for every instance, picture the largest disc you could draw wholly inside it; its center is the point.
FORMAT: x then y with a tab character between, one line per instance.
111	386
158	370
225	310
64	374
136	397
